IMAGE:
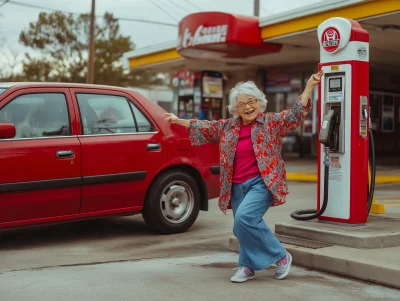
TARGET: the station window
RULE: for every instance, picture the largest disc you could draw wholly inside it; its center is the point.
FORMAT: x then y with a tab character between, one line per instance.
388	121
375	103
397	100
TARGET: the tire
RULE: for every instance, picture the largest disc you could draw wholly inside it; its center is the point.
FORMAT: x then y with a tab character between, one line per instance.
172	203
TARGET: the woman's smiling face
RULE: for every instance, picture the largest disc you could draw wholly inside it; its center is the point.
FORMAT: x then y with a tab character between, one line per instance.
247	108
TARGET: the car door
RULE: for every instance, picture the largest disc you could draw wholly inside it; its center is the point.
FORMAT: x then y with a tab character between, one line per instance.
121	150
40	167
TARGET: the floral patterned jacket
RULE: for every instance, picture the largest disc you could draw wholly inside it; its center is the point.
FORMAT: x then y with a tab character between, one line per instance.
266	134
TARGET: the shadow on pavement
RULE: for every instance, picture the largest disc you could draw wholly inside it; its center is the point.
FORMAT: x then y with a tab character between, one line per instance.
73	232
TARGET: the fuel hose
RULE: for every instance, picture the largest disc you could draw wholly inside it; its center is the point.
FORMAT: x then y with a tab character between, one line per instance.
371	185
308	214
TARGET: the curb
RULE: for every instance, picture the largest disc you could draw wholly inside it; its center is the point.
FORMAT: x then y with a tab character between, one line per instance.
359	239
359	270
301	177
305	177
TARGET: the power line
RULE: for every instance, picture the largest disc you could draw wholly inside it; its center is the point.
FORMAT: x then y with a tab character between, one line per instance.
68	12
178	6
39	7
164	10
144	21
4	3
173	11
194	5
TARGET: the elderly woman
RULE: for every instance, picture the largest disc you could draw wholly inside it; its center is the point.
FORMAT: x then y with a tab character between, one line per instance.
253	175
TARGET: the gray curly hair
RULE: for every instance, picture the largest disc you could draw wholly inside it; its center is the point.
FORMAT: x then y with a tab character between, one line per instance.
246	88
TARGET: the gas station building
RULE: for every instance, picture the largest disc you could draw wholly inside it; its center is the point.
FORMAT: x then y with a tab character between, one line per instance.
279	53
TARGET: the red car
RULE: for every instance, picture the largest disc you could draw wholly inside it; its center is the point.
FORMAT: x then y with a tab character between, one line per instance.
76	151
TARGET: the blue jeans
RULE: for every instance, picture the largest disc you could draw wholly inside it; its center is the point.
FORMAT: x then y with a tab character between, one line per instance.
259	248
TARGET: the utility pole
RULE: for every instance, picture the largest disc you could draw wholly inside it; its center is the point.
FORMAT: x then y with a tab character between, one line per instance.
90	73
256	8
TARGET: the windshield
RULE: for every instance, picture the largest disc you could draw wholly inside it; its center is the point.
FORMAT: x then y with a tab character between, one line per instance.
2	90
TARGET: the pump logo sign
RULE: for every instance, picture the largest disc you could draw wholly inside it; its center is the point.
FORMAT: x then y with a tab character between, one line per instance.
330	39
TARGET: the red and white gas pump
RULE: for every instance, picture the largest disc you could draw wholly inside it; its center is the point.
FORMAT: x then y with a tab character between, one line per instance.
343	114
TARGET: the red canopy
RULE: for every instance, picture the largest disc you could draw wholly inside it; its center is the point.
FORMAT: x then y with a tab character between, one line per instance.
214	35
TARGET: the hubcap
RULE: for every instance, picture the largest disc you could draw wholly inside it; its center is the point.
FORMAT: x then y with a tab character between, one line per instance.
177	202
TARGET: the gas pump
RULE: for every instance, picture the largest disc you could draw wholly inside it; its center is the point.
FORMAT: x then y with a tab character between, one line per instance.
346	141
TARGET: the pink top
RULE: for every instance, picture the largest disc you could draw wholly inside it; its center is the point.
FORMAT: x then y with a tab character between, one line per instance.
245	163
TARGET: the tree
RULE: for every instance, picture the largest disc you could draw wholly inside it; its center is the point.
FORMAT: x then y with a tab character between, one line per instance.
9	62
110	47
63	41
37	70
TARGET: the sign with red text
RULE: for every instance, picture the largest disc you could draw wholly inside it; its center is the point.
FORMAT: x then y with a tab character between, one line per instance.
203	35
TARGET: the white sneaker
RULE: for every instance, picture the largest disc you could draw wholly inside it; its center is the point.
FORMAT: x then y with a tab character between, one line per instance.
243	274
283	266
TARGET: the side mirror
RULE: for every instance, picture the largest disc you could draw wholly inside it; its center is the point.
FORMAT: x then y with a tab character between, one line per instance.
7	130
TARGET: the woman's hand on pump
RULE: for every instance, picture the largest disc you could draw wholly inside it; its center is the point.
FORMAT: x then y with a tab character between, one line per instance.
314	80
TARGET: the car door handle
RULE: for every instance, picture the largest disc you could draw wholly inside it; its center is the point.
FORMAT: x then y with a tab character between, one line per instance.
153	146
65	154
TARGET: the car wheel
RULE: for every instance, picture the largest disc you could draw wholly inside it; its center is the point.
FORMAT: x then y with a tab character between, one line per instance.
172	203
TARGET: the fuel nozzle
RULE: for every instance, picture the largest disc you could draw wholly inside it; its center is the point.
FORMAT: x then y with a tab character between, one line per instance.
336	114
326	128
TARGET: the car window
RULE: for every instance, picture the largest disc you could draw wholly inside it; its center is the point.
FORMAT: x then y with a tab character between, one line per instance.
105	114
144	125
38	115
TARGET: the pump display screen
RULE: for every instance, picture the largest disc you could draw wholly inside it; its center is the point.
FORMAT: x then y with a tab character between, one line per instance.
335	84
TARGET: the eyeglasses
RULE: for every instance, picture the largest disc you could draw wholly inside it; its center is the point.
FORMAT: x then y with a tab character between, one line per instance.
242	105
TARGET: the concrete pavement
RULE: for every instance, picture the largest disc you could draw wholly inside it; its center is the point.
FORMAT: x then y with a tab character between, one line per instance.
379	266
375	265
369	253
128	238
198	278
91	243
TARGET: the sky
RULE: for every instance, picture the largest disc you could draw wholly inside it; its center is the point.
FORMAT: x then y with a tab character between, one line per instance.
14	19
